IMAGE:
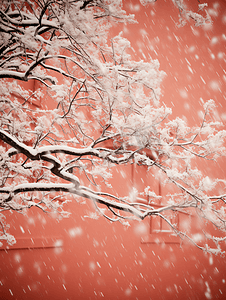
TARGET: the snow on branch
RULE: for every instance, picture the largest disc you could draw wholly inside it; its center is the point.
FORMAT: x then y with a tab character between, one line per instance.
186	14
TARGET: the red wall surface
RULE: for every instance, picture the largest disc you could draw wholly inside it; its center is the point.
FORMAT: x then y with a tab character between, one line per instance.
83	257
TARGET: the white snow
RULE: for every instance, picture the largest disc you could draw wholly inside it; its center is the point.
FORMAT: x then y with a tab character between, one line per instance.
211	260
208	291
75	232
183	93
214	40
58	243
92	266
128	292
17	258
214	85
190	69
22	230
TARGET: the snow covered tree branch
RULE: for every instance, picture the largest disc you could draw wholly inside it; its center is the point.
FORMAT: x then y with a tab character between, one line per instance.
90	107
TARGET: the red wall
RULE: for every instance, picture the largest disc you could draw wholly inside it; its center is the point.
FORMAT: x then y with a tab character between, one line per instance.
85	258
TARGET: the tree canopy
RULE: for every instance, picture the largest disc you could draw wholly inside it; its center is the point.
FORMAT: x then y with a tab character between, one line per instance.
74	104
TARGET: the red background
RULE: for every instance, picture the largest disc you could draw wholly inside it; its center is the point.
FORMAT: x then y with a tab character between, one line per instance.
85	258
